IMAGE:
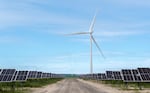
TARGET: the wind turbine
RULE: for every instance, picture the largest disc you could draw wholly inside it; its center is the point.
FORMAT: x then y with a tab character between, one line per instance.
90	33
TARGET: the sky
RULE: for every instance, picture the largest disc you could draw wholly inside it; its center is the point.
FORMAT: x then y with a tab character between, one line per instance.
32	35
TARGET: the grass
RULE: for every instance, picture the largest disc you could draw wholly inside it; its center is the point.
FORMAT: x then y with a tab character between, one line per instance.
126	86
21	87
40	82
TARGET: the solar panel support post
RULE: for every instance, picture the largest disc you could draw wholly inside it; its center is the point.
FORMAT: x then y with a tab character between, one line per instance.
13	87
22	85
1	87
97	79
139	85
126	85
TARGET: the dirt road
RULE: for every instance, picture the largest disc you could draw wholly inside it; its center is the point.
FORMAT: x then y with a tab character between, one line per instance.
69	86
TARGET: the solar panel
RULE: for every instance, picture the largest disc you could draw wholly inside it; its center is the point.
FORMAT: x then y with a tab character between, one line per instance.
32	75
21	76
109	75
127	75
136	75
95	76
39	74
102	76
7	75
52	75
49	75
145	74
117	75
88	76
57	76
45	75
14	77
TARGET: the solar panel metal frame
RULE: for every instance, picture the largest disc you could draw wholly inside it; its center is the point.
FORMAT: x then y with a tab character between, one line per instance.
1	71
7	75
14	77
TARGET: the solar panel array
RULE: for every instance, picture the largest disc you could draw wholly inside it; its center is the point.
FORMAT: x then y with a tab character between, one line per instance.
11	75
126	75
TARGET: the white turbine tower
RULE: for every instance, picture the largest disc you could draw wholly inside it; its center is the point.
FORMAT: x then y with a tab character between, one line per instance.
90	33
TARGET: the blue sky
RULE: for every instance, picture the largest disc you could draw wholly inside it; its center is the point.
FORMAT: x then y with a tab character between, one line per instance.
31	34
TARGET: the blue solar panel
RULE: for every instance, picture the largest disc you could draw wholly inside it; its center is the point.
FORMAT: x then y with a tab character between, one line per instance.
117	75
127	75
39	74
21	76
32	75
145	74
136	75
7	75
109	75
44	75
102	76
94	76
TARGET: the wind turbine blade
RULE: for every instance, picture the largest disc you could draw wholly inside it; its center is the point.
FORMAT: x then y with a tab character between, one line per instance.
98	47
92	24
79	33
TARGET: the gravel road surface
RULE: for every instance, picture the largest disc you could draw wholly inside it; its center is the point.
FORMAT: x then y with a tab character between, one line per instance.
69	86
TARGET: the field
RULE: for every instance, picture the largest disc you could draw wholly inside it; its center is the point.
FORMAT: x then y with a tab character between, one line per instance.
124	86
22	87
